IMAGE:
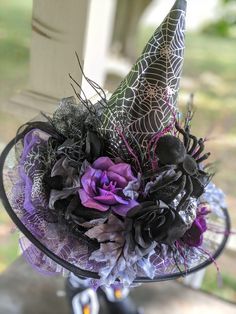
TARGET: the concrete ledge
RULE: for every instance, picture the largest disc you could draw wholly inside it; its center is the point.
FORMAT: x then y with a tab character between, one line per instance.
24	291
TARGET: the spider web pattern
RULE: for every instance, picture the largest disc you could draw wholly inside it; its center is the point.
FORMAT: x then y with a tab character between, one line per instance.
145	101
36	164
53	236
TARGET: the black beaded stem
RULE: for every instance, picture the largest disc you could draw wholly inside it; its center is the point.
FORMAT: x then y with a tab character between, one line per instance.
74	269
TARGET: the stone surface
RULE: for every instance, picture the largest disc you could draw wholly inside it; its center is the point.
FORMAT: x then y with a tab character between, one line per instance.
24	291
174	298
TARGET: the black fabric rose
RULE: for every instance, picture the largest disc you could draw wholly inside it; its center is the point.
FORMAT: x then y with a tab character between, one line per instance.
155	222
70	213
164	187
72	210
89	147
63	179
77	218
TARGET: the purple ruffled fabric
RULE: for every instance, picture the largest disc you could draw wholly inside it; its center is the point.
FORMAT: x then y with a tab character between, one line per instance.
31	168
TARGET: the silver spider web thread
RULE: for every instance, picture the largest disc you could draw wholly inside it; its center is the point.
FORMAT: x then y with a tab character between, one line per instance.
145	101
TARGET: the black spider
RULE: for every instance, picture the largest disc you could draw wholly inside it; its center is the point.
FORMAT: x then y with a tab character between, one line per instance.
179	167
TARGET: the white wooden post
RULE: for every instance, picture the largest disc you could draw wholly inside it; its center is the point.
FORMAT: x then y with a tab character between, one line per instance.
99	35
59	28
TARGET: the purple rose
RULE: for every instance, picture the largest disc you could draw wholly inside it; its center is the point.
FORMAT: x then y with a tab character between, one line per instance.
103	186
194	235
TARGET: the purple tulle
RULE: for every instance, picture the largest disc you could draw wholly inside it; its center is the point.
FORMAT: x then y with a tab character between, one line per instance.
32	140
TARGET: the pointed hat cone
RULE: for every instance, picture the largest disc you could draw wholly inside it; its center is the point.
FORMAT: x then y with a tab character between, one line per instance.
145	101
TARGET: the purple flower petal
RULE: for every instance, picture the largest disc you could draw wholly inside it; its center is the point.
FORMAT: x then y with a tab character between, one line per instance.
115	177
104	178
103	185
108	199
120	200
89	202
194	236
89	180
103	163
123	170
202	223
103	192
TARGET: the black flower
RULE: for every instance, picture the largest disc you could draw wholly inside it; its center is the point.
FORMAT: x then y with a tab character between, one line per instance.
64	177
90	147
73	211
152	222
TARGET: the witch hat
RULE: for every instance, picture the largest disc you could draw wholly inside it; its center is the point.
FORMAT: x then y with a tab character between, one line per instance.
150	215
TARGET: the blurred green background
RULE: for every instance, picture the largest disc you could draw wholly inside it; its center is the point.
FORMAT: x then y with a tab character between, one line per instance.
209	72
15	17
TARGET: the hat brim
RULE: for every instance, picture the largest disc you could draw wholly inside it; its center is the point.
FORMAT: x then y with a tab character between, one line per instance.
196	258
